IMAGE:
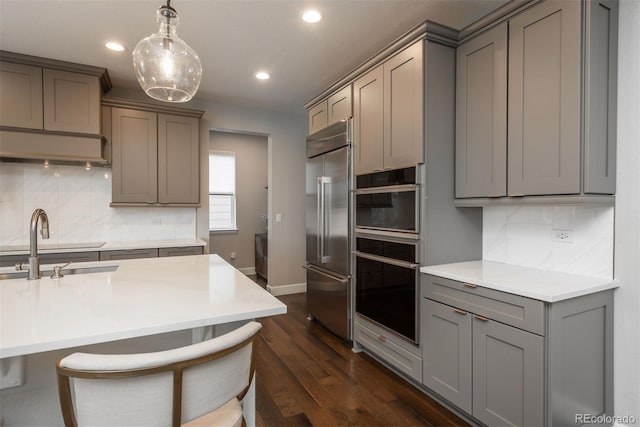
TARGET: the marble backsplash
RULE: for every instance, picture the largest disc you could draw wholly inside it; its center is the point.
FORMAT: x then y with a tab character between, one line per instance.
523	236
77	204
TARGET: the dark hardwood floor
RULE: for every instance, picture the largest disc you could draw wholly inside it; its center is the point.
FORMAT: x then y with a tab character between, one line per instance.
306	376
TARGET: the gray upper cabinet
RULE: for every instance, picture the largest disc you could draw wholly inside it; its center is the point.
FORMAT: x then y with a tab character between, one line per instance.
481	115
318	117
339	106
135	156
560	81
20	95
178	159
600	97
403	108
48	99
155	157
368	130
71	102
331	110
544	100
388	113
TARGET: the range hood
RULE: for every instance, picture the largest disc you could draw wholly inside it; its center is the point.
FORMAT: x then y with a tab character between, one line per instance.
54	147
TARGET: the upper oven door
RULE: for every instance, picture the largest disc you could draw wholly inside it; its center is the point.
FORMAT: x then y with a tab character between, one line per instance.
392	208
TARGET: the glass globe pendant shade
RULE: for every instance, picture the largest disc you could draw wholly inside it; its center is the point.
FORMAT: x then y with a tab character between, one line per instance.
167	68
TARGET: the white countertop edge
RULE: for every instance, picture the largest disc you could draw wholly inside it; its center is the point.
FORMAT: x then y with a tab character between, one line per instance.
136	333
593	285
114	246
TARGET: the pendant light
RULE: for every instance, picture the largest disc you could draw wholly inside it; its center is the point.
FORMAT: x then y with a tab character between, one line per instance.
166	67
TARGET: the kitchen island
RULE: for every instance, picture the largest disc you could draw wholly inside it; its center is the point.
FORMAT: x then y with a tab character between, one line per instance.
142	305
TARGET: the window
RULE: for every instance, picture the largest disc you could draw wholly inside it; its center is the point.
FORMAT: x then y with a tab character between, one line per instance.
222	191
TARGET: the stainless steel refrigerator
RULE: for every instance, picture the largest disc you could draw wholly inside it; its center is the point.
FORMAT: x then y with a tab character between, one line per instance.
328	230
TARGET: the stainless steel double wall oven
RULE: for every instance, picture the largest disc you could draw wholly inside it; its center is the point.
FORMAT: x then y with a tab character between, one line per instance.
387	227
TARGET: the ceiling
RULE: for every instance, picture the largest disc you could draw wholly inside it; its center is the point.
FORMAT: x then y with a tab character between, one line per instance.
234	39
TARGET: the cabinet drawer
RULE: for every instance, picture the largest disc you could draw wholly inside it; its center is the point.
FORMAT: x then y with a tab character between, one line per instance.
389	348
523	313
64	257
128	254
183	251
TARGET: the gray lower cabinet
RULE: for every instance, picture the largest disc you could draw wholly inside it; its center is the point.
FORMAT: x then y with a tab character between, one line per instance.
510	360
128	254
181	251
396	351
54	258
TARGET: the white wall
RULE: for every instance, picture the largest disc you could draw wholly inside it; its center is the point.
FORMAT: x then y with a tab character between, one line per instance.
77	204
627	245
522	235
252	176
287	155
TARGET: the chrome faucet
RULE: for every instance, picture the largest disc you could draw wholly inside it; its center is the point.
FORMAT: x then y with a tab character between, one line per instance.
34	259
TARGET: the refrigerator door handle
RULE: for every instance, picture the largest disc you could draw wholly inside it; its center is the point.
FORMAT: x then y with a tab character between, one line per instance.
331	276
319	219
323	180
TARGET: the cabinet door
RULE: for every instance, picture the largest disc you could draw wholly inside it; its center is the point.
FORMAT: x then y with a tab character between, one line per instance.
368	131
318	117
446	339
339	106
20	95
601	96
180	251
71	102
403	108
544	100
507	375
128	254
135	156
481	115
178	159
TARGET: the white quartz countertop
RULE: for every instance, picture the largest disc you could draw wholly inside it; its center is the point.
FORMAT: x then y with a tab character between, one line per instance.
45	248
142	297
544	285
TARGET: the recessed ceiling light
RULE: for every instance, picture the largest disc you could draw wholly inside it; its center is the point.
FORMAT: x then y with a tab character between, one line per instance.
262	75
114	46
311	16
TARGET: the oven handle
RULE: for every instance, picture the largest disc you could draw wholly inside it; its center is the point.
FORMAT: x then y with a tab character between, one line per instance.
331	276
387	189
386	260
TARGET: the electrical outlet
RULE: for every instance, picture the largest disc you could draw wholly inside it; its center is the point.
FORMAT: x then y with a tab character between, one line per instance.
156	221
233	255
562	236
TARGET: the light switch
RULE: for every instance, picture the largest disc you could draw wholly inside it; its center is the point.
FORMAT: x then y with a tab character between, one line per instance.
278	217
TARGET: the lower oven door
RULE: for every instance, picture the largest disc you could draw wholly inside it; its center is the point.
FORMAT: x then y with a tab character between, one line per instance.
387	293
328	300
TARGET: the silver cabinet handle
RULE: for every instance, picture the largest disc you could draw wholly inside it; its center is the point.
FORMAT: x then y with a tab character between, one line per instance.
385	260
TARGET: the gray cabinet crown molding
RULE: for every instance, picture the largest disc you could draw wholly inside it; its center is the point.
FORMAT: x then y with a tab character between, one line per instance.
156	108
54	64
426	30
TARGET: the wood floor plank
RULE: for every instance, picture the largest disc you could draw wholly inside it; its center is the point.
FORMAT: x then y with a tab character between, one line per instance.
306	376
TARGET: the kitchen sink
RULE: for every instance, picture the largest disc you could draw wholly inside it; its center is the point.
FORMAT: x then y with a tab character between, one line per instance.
67	272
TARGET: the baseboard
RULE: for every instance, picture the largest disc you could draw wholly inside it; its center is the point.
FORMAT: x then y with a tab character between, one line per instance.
296	288
247	271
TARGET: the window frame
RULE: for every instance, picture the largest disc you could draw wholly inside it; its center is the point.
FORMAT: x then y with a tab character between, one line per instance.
233	227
